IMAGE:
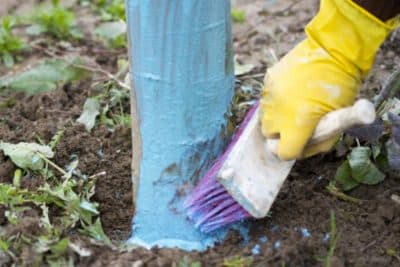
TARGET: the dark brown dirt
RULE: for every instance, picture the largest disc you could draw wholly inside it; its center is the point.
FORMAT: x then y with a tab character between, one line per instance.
368	233
41	116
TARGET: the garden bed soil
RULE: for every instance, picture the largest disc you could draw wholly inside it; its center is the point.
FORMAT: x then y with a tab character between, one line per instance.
296	232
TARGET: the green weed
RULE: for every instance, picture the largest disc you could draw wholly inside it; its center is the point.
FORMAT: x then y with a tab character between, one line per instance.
66	190
186	262
238	262
238	16
56	21
109	10
43	77
373	150
9	43
333	238
112	9
113	33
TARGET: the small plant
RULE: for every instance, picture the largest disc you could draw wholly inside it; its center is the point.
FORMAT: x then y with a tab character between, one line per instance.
66	190
9	43
238	16
237	262
110	10
377	149
186	262
333	238
113	33
43	77
56	21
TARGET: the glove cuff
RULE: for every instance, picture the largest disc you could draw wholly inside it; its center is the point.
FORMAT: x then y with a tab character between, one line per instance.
350	34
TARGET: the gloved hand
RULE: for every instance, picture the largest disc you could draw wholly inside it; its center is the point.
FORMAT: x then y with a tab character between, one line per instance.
319	75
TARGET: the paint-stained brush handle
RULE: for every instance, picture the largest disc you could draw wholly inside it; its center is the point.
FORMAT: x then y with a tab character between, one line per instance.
336	122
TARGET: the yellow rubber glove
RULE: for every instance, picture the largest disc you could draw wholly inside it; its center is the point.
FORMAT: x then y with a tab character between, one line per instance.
319	75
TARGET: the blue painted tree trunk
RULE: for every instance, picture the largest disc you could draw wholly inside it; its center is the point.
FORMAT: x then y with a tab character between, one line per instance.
182	80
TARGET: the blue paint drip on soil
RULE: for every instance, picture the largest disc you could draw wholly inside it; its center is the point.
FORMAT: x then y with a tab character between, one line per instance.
182	73
305	232
277	244
326	237
256	249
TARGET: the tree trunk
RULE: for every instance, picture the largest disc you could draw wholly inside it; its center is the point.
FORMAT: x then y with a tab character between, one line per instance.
182	84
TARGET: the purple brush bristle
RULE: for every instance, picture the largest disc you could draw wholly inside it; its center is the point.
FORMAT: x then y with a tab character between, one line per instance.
209	205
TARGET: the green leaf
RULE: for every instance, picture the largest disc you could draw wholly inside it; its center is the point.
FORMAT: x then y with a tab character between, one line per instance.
56	21
362	168
343	177
111	30
17	178
25	155
91	109
11	196
9	43
59	248
114	33
238	16
43	77
88	206
87	211
96	231
55	140
4	246
8	60
35	29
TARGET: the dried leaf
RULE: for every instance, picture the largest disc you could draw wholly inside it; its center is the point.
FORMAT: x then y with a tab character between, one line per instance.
91	110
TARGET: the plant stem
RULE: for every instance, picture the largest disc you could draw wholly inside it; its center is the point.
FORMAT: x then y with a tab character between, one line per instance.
333	237
97	175
52	164
17	178
335	191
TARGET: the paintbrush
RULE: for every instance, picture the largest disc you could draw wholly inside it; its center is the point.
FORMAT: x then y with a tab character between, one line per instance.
245	180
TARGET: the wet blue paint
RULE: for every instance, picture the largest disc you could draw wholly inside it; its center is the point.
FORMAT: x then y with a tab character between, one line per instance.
326	237
263	239
305	232
277	244
182	79
256	249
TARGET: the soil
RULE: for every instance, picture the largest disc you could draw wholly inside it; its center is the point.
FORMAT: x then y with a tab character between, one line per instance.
296	234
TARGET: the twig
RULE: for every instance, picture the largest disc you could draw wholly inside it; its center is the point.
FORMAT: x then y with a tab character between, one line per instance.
248	76
98	175
109	75
286	9
52	164
44	50
84	67
335	191
369	245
